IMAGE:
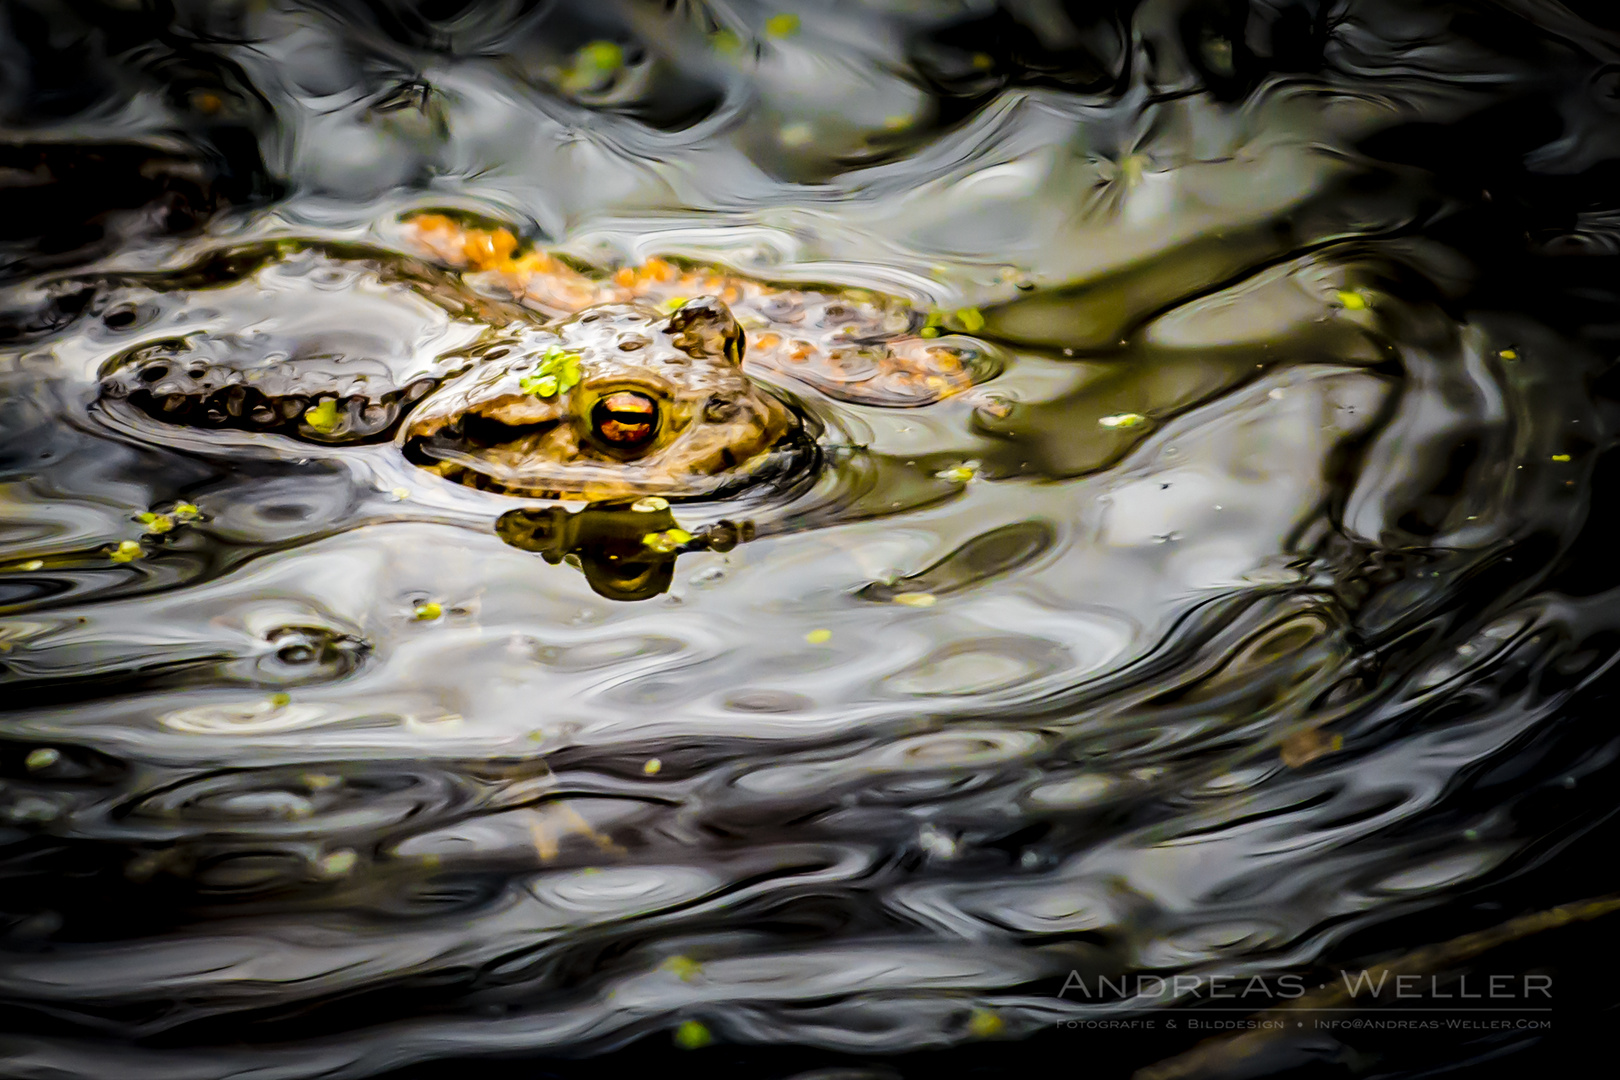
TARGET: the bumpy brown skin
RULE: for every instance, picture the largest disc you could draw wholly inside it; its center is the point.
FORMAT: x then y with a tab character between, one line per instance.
852	345
220	381
711	426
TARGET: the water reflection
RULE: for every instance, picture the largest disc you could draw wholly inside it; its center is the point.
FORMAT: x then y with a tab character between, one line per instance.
1255	608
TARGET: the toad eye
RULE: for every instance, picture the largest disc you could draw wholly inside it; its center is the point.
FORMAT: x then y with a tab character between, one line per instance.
625	419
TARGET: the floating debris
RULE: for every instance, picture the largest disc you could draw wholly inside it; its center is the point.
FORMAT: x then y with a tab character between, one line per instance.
782	25
683	968
667	541
691	1035
652	767
651	504
818	637
337	863
1122	420
42	758
127	551
960	474
1303	747
323	417
792	135
1351	301
916	599
427	611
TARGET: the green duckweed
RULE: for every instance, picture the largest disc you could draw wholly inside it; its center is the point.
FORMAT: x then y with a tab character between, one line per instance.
323	417
691	1035
126	551
42	758
683	968
556	372
666	541
783	24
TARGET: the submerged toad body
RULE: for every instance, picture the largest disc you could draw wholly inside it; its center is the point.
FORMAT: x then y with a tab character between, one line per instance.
636	386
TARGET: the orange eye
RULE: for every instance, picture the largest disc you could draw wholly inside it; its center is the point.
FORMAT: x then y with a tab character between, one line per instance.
625	418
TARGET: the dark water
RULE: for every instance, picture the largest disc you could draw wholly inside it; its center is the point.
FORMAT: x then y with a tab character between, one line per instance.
1257	621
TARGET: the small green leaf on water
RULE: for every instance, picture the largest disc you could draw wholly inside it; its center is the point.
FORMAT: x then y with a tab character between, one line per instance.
280	700
157	523
427	611
186	511
916	599
691	1035
818	637
651	504
1351	301
929	331
337	863
1560	457
666	541
593	66
683	968
726	41
1508	354
652	766
782	25
601	55
323	417
42	758
1122	420
32	564
984	1023
960	474
798	134
971	319
126	551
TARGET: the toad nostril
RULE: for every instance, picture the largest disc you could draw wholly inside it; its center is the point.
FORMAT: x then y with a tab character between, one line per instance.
718	410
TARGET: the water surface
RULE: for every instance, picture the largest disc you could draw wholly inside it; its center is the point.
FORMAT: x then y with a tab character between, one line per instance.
1256	620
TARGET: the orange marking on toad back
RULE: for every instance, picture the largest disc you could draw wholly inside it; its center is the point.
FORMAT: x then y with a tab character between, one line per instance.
490	250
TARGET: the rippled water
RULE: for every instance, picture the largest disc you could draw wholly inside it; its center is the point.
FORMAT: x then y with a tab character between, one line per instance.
1256	620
